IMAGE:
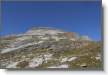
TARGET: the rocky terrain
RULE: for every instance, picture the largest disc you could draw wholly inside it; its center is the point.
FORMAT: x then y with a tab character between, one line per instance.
44	47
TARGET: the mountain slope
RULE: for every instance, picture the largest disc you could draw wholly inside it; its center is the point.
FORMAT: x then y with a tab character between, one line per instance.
49	48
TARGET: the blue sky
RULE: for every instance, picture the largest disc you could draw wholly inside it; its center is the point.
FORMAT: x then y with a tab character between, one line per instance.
83	18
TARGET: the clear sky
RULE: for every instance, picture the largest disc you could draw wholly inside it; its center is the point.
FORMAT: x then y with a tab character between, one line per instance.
83	18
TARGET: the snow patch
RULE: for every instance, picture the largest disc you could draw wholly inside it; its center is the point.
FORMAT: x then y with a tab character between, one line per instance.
60	66
72	58
16	48
98	58
73	39
68	59
39	60
45	38
64	59
35	62
23	38
83	64
40	42
47	57
56	38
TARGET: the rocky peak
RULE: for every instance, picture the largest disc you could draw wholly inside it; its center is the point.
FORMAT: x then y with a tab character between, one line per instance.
43	31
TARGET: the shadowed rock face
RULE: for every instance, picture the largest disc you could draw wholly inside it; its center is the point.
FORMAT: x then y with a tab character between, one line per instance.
50	48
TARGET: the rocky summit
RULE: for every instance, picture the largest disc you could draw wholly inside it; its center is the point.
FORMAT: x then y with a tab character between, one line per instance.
44	48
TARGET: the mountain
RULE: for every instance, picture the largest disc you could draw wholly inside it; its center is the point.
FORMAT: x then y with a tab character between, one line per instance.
45	47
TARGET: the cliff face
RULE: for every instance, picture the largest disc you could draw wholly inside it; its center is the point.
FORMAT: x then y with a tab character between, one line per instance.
49	48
